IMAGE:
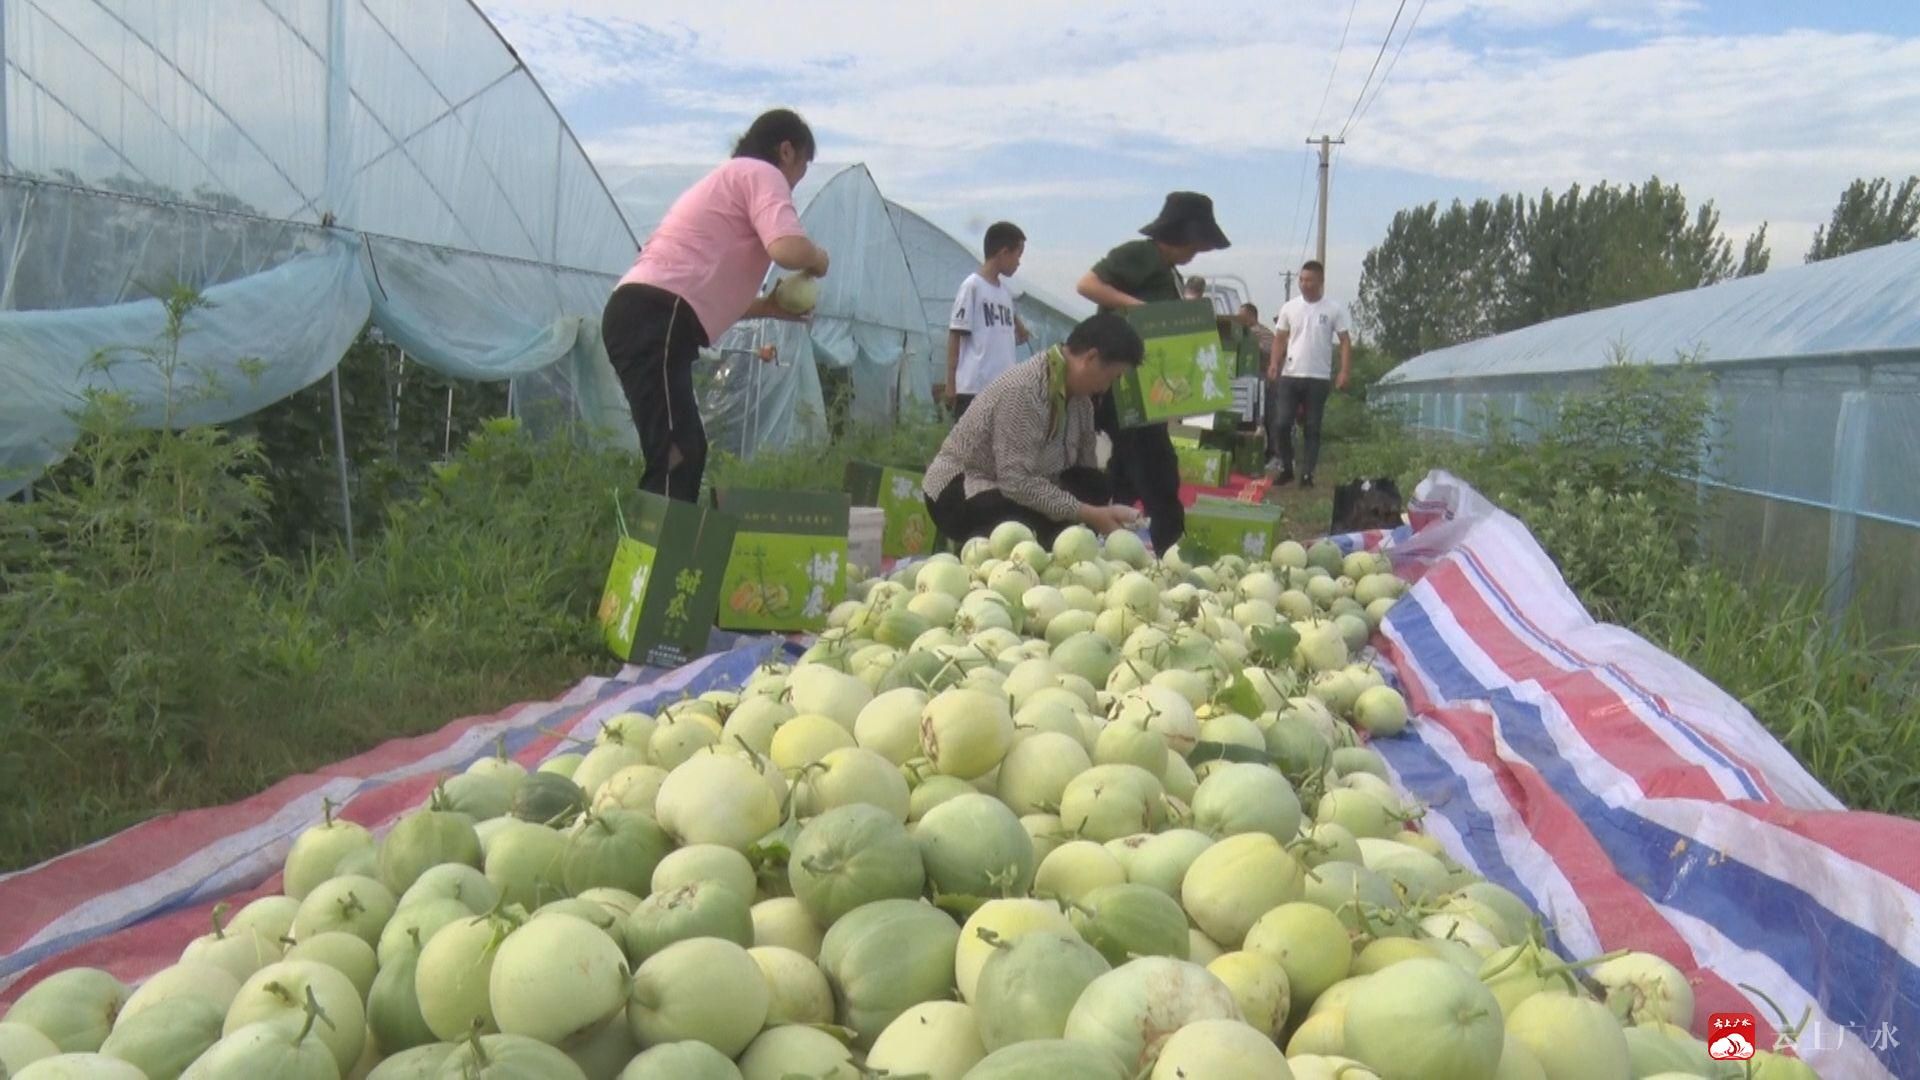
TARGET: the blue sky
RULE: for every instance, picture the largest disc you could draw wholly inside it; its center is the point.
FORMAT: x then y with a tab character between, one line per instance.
1074	119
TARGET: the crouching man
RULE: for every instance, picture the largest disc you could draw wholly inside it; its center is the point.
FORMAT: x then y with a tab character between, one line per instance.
1024	450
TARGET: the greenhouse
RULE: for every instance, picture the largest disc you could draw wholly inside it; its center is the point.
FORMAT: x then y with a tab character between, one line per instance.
1816	384
306	166
381	183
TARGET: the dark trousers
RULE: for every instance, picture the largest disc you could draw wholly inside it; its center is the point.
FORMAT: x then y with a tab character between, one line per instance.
1270	415
960	403
1144	469
653	338
961	518
1294	393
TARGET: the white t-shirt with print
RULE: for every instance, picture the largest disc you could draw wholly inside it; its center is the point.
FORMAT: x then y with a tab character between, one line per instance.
1311	329
984	310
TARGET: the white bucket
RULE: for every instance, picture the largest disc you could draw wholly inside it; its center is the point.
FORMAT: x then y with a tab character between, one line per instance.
865	527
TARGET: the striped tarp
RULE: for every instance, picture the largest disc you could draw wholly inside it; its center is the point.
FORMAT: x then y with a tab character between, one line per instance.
1638	805
1616	790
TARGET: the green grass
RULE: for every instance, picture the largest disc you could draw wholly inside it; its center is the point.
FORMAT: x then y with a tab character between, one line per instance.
1844	706
910	444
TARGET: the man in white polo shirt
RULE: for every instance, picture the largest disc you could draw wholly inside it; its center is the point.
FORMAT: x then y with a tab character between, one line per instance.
1302	361
985	329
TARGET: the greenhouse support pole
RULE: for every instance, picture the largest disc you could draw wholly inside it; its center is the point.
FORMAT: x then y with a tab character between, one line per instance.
1850	435
340	456
446	441
339	114
393	412
6	161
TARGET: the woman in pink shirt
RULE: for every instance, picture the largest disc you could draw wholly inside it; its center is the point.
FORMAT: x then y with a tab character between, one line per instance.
697	275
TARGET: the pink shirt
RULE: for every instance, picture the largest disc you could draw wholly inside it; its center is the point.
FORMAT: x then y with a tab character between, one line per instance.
711	248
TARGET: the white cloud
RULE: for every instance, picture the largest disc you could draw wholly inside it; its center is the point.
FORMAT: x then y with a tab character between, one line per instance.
1105	187
1502	94
1627	16
1769	127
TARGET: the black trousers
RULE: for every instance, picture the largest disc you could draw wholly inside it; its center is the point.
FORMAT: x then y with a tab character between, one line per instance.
960	403
961	518
1293	392
653	338
1144	469
1270	415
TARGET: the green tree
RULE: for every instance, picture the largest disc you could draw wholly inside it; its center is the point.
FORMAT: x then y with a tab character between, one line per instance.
1755	258
1611	246
1870	213
1440	278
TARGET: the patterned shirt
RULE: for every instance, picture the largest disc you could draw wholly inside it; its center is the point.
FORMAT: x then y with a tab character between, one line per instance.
1002	443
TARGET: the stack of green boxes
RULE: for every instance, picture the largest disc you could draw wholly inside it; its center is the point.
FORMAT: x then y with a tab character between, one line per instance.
1245	448
1200	465
755	560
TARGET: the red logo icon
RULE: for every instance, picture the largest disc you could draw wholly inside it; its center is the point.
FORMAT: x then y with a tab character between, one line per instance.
1730	1036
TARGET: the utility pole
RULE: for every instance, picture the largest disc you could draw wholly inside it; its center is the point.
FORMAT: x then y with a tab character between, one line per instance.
1326	144
1287	276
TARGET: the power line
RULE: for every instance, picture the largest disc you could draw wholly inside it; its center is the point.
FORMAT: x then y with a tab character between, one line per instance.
1388	74
1384	42
1300	183
1299	195
1335	69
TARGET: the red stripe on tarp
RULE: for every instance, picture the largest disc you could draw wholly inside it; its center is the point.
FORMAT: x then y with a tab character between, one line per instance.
1604	719
1889	845
37	896
138	951
1754	774
1621	914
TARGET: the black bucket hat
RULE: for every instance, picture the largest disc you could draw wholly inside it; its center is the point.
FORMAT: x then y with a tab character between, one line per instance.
1187	218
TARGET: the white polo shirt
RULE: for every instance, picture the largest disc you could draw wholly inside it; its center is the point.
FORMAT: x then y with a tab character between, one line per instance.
1311	329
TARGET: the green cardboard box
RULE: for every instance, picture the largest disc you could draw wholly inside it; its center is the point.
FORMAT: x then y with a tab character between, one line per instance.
1222	436
897	492
1202	467
1249	452
1186	371
1248	363
787	565
1217	526
664	584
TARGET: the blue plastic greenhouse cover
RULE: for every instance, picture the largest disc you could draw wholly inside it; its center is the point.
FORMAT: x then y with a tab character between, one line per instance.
303	163
1859	304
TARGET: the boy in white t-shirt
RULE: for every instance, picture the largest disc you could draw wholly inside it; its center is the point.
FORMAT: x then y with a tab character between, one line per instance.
1302	363
985	329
